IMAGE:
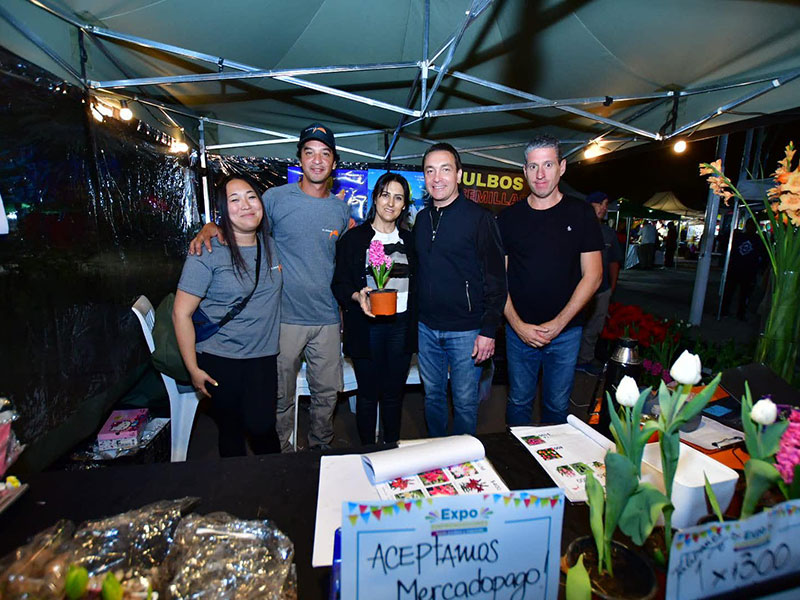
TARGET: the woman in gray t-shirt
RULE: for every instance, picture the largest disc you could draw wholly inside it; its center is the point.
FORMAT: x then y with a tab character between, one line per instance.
236	367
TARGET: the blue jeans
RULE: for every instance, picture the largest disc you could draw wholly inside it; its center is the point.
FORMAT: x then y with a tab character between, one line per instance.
438	351
557	359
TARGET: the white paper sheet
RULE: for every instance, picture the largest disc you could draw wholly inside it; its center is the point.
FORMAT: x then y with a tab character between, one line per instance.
415	458
454	465
341	479
567	452
713	435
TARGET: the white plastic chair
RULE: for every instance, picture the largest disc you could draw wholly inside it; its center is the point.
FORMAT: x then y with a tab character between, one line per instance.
182	405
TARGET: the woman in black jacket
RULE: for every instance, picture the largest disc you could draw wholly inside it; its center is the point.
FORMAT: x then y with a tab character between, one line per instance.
381	347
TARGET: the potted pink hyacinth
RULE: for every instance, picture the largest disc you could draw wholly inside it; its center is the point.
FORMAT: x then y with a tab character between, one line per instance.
383	301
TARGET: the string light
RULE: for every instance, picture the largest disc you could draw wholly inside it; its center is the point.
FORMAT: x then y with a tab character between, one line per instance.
104	109
125	113
679	147
178	147
96	114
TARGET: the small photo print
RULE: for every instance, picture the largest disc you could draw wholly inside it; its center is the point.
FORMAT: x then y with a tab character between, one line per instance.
581	468
472	486
462	470
410	494
565	471
443	490
399	484
533	440
435	476
548	454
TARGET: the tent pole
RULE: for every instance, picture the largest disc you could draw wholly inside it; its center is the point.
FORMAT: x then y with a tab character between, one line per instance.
569	109
627	239
204	171
706	245
425	49
748	144
39	42
774	84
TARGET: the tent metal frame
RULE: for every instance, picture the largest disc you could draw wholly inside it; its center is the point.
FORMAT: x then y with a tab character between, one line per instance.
424	67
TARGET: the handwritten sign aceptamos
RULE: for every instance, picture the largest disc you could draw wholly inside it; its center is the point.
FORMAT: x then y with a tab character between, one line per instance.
498	546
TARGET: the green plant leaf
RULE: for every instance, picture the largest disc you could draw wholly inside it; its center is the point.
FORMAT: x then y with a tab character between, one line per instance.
621	482
691	409
579	586
670	447
712	498
111	589
760	476
596	500
771	437
76	582
641	512
749	427
793	490
666	403
618	430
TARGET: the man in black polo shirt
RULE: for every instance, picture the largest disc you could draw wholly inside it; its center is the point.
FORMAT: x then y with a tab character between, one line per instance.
553	250
461	291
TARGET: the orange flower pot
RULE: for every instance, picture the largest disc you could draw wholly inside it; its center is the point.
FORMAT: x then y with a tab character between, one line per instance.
383	302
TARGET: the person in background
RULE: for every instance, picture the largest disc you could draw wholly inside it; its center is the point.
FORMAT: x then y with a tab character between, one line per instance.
381	347
747	257
597	308
554	266
670	245
306	220
237	366
648	238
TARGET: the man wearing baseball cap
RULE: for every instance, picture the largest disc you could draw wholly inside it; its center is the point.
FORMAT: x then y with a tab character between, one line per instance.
306	220
597	308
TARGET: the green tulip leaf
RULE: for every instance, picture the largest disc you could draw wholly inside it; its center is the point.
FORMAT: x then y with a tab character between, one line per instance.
596	500
621	482
712	498
771	437
641	512
579	586
760	476
793	491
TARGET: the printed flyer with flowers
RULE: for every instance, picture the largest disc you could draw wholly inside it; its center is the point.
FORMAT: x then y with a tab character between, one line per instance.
567	452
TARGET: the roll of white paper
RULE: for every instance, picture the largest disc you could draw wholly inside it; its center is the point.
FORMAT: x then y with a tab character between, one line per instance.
597	437
418	458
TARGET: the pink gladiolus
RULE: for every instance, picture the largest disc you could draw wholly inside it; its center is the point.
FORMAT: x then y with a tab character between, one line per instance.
789	452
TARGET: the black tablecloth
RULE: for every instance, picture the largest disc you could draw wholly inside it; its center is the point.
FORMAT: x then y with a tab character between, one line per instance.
282	488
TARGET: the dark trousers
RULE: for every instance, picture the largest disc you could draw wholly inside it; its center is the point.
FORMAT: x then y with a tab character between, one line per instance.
382	378
243	404
745	284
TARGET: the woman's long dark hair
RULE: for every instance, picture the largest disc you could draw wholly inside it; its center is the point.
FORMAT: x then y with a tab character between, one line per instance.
237	261
380	185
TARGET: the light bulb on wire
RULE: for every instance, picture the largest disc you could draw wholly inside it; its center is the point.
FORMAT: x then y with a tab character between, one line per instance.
125	113
679	147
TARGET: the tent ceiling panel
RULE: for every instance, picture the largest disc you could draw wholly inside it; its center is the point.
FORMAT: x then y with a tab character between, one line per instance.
553	50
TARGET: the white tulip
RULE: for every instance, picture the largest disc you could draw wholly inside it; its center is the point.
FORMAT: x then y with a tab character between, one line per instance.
687	369
764	412
627	391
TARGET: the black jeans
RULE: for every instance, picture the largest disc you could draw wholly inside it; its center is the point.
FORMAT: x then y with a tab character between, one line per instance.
382	378
243	404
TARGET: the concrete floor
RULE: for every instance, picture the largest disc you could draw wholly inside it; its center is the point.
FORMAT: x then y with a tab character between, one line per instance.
664	292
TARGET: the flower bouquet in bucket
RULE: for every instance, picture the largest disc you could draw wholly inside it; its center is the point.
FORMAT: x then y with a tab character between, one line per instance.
383	301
